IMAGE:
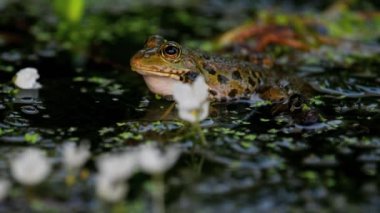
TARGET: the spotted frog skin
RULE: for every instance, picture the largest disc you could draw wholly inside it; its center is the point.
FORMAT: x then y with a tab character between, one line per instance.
163	62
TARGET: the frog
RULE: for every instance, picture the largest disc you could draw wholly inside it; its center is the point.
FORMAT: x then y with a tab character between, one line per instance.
162	63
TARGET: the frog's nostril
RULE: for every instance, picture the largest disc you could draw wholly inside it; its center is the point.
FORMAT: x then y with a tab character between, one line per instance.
150	51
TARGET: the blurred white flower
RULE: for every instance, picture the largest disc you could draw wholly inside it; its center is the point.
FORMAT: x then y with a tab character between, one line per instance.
31	167
4	187
117	166
110	190
75	156
27	78
192	100
114	170
153	161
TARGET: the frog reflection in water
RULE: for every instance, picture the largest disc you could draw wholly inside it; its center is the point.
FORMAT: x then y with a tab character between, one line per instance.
162	63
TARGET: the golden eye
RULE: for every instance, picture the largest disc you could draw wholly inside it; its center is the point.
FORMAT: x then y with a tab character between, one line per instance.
171	51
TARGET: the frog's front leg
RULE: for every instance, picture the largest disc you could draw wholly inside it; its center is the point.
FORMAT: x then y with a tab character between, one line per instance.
283	100
278	96
296	104
189	77
274	94
302	111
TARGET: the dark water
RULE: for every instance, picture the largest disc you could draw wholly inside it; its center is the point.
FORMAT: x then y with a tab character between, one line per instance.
254	161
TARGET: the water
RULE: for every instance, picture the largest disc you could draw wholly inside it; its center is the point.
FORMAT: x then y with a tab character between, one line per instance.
254	162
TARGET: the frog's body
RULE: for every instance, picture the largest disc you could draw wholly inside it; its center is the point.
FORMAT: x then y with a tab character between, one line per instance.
163	62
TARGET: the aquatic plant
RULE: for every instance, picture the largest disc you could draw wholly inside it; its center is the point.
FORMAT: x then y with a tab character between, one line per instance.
109	189
192	103
27	78
153	161
118	166
74	156
114	170
70	10
31	167
156	163
4	188
191	100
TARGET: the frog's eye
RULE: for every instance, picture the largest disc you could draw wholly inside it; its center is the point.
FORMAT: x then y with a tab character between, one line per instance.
171	51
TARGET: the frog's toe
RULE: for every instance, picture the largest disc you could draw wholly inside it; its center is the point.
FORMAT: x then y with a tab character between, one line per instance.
296	102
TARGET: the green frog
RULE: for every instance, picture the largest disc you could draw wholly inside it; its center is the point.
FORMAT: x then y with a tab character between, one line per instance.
162	63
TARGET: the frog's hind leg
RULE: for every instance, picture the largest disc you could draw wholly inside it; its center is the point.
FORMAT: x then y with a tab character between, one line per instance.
273	94
302	112
278	96
295	104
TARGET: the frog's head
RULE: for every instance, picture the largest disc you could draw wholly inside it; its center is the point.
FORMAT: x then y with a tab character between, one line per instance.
162	63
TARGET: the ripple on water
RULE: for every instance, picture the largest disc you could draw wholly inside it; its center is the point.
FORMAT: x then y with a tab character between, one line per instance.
11	56
25	100
16	120
28	96
13	139
29	109
40	106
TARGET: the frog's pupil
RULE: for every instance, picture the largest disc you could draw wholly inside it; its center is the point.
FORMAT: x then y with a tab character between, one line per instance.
171	50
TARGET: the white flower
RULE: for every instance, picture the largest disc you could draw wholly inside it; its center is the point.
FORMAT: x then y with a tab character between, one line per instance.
117	166
4	187
153	161
110	190
191	100
75	156
31	167
27	79
114	170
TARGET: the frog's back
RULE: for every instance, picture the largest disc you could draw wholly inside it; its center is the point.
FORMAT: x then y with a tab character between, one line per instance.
230	78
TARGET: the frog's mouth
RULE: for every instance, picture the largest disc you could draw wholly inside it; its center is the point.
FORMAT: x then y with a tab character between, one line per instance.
159	71
158	79
156	73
